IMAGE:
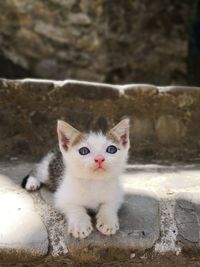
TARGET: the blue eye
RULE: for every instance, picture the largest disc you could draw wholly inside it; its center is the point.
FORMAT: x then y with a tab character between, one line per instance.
84	151
111	149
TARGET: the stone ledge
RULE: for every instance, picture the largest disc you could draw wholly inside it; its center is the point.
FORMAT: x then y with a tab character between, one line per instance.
164	120
159	220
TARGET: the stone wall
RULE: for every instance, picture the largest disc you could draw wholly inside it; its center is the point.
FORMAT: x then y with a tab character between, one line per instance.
165	121
105	41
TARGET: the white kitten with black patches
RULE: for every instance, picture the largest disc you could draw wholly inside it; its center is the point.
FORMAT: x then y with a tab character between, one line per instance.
92	164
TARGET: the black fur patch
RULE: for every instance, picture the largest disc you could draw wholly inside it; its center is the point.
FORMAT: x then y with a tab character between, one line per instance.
56	169
24	181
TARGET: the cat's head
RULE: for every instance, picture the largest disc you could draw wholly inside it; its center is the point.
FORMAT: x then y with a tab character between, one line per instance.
94	155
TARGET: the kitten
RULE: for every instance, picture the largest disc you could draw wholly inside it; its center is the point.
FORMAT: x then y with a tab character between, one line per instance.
84	174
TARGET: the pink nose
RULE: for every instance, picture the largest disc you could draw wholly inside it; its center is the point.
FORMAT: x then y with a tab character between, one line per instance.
99	159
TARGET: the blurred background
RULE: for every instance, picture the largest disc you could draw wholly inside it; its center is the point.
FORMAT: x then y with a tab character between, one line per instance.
129	41
106	41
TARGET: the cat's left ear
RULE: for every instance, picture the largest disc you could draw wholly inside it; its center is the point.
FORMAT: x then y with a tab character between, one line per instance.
121	132
67	135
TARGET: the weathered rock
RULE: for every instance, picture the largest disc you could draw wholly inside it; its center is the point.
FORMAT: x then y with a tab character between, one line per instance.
38	118
142	129
169	130
100	40
23	235
187	214
139	230
91	92
145	91
165	121
20	145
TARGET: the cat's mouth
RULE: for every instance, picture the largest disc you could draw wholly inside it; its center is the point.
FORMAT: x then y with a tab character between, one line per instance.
99	168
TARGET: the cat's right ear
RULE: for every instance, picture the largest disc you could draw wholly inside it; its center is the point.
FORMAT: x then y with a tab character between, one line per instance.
67	135
121	132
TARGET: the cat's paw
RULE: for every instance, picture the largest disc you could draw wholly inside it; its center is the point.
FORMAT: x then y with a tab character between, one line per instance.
80	227
107	225
32	184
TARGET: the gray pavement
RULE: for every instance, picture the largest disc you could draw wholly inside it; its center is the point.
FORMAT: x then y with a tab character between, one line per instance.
161	213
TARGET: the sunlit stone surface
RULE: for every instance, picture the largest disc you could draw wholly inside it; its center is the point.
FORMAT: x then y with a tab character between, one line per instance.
21	228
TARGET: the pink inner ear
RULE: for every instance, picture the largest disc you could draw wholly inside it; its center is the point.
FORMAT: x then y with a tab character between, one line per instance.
124	139
64	141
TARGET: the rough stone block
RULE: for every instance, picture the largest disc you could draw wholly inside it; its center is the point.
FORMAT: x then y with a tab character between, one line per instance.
177	90
94	40
164	125
187	215
89	91
40	87
139	230
23	234
169	130
141	90
142	129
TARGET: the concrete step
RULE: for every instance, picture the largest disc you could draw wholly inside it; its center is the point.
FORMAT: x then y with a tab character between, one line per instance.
159	221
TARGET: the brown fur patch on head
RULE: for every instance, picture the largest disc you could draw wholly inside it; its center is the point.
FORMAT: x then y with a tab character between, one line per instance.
120	133
77	139
111	135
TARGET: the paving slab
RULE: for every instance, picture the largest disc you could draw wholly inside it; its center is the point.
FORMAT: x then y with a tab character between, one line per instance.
187	214
139	230
23	236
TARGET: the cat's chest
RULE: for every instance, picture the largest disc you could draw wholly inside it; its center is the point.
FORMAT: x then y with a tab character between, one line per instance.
93	190
91	193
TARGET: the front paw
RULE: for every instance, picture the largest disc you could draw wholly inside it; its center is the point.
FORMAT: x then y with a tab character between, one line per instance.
107	225
80	227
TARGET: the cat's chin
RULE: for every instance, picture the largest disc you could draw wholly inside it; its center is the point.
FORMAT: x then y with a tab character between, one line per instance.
99	169
100	174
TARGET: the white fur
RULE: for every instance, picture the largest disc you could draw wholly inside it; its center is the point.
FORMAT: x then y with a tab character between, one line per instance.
41	175
83	185
32	183
83	188
42	171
